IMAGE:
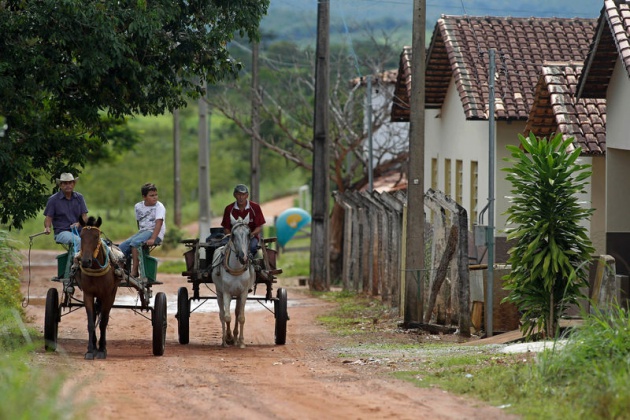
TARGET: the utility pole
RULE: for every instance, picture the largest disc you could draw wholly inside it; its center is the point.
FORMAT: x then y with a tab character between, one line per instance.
255	175
491	163
204	167
414	254
368	114
177	187
320	252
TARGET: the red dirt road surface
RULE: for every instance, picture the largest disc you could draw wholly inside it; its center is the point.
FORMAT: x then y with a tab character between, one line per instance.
308	378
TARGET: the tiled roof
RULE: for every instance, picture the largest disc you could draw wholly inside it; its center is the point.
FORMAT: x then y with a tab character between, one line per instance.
611	41
402	90
388	77
556	110
459	48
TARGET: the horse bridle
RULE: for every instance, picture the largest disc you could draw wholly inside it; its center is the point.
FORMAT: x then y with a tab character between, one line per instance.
105	267
231	249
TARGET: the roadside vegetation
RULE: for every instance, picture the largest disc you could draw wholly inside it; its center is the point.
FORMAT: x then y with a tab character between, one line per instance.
549	261
26	391
586	375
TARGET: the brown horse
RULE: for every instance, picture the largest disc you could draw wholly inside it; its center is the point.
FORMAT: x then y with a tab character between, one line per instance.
98	283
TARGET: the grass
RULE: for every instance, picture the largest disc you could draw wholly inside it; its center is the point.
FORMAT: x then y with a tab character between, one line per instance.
587	378
26	392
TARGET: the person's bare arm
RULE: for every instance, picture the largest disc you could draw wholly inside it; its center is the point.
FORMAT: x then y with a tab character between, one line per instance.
47	224
156	231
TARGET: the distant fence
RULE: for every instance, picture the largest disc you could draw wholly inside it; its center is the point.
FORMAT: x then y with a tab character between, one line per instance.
373	253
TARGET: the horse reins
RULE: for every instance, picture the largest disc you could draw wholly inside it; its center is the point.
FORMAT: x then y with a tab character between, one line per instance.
104	269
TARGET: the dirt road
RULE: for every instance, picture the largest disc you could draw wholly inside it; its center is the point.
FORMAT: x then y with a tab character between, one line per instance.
308	378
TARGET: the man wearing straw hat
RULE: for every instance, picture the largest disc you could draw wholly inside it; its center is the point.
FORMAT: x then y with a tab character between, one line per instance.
63	210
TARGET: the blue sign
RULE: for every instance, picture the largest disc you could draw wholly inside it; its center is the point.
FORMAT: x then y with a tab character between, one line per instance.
289	222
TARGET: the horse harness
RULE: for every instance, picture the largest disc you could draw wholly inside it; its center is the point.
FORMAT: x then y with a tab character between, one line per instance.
106	266
228	251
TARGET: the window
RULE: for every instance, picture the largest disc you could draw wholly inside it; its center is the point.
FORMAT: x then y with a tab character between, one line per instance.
459	180
447	176
474	192
434	174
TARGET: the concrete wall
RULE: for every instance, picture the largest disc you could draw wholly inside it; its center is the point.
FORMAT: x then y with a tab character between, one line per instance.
618	169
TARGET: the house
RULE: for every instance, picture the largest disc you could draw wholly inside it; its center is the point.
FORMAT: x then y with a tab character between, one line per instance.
606	75
457	106
389	140
557	110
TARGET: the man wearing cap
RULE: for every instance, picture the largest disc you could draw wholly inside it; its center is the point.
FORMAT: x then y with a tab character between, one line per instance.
63	210
241	208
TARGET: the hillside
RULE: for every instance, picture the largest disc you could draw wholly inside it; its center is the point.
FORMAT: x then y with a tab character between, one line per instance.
296	20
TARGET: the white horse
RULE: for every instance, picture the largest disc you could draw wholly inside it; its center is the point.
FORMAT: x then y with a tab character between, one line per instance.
233	276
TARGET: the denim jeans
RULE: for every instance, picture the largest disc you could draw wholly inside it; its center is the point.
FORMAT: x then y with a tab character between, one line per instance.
68	238
253	245
136	241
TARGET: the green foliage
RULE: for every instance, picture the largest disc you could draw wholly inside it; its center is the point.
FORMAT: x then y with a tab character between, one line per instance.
586	376
66	64
10	269
28	392
592	367
172	237
549	260
356	314
295	264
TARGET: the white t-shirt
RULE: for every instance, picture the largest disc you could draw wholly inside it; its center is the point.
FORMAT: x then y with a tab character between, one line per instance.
147	215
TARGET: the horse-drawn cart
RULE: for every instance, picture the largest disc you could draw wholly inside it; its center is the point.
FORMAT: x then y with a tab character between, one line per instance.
199	268
67	275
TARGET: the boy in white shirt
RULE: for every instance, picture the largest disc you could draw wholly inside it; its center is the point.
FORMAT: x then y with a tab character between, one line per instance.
150	216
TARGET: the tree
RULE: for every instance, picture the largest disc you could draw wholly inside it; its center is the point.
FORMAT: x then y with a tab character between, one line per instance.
72	70
552	251
286	109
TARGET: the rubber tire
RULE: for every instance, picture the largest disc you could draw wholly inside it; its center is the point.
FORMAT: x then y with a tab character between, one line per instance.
280	311
51	320
183	315
159	324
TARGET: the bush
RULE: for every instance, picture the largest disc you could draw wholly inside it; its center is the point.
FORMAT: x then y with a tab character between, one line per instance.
550	259
10	269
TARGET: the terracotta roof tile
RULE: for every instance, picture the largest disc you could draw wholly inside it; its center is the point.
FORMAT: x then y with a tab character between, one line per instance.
611	41
402	93
388	77
459	49
556	110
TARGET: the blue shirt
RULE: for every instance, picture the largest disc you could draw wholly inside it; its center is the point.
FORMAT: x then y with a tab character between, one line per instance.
65	212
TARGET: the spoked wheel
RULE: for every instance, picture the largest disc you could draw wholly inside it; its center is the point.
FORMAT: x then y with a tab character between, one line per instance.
280	310
51	320
159	324
183	315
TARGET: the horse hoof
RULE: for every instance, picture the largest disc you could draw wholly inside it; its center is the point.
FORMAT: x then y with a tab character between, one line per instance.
242	346
89	356
101	355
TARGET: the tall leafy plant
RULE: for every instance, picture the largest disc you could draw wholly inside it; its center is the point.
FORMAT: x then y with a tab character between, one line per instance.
552	249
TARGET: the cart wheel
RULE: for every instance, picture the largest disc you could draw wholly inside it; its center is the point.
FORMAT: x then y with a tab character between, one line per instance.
183	315
51	320
280	310
159	324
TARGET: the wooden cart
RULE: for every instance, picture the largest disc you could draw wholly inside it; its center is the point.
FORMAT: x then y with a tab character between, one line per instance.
198	272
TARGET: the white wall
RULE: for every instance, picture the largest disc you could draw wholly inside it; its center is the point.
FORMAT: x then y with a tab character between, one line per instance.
618	151
448	135
391	138
598	202
506	134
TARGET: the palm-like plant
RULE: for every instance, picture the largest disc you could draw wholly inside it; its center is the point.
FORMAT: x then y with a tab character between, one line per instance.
550	258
